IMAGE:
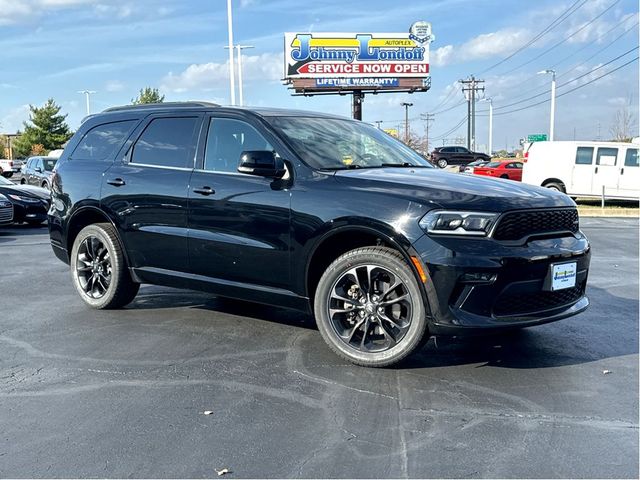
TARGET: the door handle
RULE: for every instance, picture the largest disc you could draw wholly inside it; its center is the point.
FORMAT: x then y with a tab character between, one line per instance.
116	182
596	170
204	191
622	171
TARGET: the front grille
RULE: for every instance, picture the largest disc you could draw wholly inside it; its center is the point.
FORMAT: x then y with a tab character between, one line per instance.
511	304
517	225
6	213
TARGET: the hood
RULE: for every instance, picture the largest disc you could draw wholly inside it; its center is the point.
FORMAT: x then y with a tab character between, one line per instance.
452	190
26	190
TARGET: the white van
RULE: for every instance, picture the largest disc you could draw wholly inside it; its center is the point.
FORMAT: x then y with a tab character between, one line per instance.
582	169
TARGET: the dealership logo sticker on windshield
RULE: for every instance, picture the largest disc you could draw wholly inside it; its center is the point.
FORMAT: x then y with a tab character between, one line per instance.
563	276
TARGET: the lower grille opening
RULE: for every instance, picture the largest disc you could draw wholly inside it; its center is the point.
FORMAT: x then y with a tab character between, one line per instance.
512	304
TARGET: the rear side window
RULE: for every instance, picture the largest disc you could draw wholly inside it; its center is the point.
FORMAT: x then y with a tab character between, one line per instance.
102	141
631	159
584	156
167	142
447	149
607	156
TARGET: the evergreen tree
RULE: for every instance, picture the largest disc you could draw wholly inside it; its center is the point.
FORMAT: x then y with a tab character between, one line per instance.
148	95
46	127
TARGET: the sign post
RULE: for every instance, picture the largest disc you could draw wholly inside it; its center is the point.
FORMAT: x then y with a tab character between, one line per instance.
358	63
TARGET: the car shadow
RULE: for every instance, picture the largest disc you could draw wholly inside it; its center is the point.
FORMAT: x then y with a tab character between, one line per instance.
593	335
11	232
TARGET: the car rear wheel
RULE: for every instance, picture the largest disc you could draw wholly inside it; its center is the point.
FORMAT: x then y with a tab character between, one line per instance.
442	163
369	307
504	175
555	186
23	181
99	269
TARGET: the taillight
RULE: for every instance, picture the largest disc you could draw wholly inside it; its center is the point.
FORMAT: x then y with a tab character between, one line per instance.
526	157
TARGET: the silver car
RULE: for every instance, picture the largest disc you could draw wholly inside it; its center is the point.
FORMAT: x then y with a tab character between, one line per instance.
6	210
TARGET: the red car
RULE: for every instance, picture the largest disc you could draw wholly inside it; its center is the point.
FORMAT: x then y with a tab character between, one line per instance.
501	169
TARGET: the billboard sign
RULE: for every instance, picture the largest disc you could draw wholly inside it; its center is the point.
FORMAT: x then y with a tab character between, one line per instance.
359	61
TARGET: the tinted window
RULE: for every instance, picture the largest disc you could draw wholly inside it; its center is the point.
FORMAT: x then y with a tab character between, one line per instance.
101	142
584	156
461	150
518	165
167	142
49	163
226	140
493	164
631	159
606	156
447	149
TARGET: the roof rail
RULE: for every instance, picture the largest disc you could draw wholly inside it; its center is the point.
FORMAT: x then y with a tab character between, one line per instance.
151	106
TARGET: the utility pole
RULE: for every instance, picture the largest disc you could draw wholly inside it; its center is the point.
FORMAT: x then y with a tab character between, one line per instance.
490	100
470	87
240	86
427	118
406	106
87	93
378	123
553	100
232	79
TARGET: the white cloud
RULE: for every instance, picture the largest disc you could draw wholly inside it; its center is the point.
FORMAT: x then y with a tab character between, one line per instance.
209	76
17	11
114	86
12	121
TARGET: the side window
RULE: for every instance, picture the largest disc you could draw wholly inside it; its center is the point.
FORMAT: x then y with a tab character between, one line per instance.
226	140
518	165
39	164
584	156
167	142
447	149
462	150
607	156
631	159
102	141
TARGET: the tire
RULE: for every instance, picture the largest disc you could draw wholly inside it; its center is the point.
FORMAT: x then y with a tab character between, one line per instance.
8	175
504	176
555	186
23	182
442	163
99	270
366	332
35	223
45	185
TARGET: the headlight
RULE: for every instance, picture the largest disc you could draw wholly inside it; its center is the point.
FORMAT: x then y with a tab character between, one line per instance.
458	223
20	198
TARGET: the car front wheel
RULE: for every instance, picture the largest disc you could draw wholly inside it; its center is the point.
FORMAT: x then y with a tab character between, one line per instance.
442	163
99	269
369	307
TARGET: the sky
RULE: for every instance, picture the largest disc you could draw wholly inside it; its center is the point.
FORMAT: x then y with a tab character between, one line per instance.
54	48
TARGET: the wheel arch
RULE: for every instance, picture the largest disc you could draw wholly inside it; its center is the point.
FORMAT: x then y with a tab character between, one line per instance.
85	216
340	240
555	180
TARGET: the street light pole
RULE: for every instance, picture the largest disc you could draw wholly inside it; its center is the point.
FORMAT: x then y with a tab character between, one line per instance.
87	93
490	100
232	79
406	106
553	101
240	87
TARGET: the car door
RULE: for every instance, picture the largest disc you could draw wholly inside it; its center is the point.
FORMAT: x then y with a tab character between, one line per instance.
605	174
514	170
582	172
239	224
629	178
147	192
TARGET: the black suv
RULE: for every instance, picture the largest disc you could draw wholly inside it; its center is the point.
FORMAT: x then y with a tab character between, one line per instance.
313	212
443	156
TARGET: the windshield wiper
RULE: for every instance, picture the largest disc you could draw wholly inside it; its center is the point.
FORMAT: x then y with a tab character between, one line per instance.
403	165
343	167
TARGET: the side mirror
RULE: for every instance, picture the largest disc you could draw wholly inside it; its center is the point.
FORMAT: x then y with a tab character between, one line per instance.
262	163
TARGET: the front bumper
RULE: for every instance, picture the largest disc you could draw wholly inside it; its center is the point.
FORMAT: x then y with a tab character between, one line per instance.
30	211
483	285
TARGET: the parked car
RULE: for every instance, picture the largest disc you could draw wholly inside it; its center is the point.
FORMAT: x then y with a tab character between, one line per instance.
6	168
6	210
314	212
501	169
443	156
37	171
30	204
477	163
584	169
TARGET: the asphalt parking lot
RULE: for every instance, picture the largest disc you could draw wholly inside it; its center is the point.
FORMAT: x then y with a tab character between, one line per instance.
88	393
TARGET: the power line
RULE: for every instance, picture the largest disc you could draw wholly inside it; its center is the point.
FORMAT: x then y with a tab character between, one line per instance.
635	59
453	91
446	134
450	108
563	16
563	40
565	83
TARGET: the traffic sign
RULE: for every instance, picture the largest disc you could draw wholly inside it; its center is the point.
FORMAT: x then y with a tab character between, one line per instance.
537	137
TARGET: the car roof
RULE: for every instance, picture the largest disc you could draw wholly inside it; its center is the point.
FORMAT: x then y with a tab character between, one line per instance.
208	106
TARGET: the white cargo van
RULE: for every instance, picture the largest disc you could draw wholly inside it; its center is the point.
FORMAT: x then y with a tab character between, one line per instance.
582	169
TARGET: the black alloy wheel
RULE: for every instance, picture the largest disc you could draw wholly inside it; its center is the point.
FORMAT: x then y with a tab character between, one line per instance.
93	267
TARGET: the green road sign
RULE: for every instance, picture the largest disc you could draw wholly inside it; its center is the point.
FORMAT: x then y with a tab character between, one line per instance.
538	137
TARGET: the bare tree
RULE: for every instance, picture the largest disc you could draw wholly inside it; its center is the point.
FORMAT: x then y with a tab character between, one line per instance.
621	126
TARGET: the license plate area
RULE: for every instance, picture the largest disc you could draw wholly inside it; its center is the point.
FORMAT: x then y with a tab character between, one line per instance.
561	276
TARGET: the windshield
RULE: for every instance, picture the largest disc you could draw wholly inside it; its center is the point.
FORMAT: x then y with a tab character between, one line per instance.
49	163
335	144
492	164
